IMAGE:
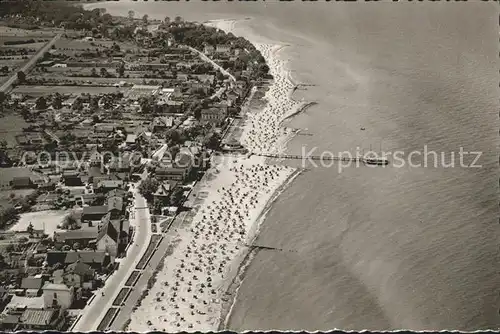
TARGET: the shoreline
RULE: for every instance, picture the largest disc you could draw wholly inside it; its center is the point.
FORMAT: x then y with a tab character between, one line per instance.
198	285
238	278
297	107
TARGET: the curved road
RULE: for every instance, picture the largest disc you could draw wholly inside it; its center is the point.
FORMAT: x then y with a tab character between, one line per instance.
92	314
214	64
27	67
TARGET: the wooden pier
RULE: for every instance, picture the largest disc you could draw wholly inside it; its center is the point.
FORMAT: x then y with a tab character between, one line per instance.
311	157
259	247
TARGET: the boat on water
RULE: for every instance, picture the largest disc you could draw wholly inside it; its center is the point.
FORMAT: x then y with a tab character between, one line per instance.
376	161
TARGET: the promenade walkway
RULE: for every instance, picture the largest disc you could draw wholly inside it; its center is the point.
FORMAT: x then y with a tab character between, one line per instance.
95	312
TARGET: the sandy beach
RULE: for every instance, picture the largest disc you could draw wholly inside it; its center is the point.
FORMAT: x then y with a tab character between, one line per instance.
191	290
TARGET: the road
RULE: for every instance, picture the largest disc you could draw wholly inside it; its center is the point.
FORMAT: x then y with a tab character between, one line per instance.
141	285
93	313
218	93
52	135
170	235
214	64
159	153
27	67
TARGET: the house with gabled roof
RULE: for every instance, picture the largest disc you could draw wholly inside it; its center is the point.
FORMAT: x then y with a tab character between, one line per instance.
115	206
121	164
95	259
94	212
57	295
79	273
32	285
107	239
213	115
116	193
35	319
83	236
104	186
162	123
21	182
162	194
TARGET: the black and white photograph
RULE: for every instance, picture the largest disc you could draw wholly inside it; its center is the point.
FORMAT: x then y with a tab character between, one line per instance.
259	165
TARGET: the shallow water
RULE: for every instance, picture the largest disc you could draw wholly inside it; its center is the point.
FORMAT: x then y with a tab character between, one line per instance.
379	248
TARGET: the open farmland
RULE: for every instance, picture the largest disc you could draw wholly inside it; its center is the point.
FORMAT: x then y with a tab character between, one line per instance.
8	174
10	126
44	90
79	45
97	81
6	40
6	195
35	46
7	31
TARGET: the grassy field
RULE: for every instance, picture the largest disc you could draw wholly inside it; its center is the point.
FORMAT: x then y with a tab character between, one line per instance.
35	46
6	31
5	195
45	90
9	173
6	175
79	44
4	39
10	126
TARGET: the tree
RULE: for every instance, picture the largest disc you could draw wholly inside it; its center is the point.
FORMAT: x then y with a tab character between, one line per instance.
57	101
145	19
120	70
41	103
94	103
220	76
173	137
146	105
104	72
10	248
30	229
21	77
3	263
213	142
178	19
93	72
7	215
174	150
77	105
166	20
197	112
131	14
176	197
148	187
70	222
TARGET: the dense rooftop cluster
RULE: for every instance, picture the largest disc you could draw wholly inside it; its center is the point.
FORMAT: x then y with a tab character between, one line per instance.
113	103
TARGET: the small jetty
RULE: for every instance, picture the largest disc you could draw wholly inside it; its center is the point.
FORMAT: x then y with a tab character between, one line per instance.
311	157
368	161
259	247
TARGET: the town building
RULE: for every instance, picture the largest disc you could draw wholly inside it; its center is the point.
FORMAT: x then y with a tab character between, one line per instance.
57	295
